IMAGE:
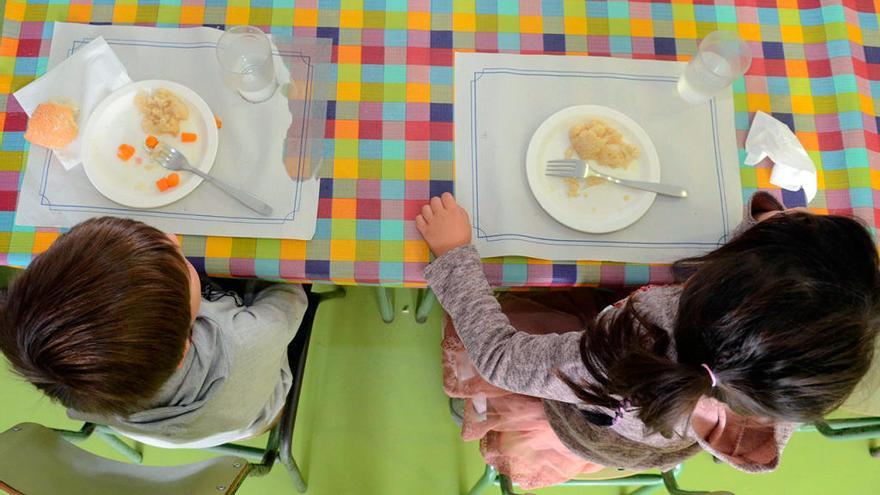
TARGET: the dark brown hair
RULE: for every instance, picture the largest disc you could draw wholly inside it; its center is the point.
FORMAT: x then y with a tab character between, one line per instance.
100	320
785	315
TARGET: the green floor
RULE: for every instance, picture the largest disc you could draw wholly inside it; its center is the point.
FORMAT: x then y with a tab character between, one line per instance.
373	420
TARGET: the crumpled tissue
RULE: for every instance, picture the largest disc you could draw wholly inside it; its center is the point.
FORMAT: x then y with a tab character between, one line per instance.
792	167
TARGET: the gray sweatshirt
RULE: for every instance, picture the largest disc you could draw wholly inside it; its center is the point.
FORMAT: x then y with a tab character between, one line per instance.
233	380
531	364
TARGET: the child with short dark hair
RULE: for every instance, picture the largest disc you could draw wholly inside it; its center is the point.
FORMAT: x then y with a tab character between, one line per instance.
111	323
772	329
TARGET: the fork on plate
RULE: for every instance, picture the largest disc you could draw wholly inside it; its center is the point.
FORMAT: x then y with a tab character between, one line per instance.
172	159
580	169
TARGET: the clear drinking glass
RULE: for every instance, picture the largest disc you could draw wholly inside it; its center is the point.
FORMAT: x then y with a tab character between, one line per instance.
721	59
245	56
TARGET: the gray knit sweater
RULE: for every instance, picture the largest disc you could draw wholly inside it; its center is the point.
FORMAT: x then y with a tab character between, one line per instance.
530	364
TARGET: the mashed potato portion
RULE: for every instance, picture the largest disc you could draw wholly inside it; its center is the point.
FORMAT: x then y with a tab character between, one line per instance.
596	140
163	111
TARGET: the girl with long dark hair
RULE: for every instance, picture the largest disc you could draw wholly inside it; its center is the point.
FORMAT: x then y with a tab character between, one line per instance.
772	329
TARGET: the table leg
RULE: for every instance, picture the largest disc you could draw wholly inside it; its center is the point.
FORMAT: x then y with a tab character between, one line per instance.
426	300
386	303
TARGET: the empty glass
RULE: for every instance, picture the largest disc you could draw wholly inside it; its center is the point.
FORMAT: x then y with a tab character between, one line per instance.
721	59
245	56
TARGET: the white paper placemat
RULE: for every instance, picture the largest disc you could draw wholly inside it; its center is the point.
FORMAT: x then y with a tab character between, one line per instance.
501	99
250	155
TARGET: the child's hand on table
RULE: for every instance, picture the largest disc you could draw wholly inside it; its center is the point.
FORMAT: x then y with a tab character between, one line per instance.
444	225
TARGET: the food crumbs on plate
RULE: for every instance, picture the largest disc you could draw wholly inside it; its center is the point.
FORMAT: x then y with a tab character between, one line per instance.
218	122
573	186
593	210
125	152
188	137
626	197
593	181
173	179
162	184
138	160
150	166
151	142
569	153
596	140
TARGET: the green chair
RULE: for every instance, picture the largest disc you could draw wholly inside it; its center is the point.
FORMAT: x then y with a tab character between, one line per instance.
279	446
35	460
644	483
859	417
848	429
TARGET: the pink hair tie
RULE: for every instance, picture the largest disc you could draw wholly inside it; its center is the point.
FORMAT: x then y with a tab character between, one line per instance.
711	374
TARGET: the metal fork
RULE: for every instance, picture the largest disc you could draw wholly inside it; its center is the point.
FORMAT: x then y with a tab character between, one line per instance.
581	169
172	159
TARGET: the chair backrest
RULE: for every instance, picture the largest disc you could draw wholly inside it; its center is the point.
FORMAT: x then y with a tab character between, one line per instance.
34	460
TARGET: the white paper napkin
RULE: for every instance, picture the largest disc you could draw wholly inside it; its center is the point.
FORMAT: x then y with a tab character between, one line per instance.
792	167
89	75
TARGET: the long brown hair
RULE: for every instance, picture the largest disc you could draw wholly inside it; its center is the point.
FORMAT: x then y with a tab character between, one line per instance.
100	320
785	315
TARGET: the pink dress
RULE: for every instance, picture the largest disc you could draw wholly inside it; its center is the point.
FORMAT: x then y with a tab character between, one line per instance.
515	436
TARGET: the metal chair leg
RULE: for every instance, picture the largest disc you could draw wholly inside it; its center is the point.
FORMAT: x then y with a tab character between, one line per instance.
847	429
426	298
75	436
254	454
386	303
107	436
118	445
672	486
506	485
288	419
485	481
645	490
293	470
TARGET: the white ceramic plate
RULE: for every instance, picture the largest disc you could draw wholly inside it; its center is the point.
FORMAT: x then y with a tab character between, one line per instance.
116	120
601	208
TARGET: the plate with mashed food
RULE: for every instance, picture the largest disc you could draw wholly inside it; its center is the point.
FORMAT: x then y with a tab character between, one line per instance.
124	126
611	141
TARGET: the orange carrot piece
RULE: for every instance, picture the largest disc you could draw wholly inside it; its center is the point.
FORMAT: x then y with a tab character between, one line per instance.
218	122
151	142
125	152
173	179
188	137
162	184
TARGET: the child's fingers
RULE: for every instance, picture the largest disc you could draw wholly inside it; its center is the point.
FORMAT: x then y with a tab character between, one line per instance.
421	224
427	212
448	201
436	204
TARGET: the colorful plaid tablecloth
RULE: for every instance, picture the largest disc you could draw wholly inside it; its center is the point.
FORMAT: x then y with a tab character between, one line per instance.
816	67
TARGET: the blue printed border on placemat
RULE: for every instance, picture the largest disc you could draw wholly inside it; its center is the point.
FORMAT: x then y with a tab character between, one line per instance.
44	200
478	227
